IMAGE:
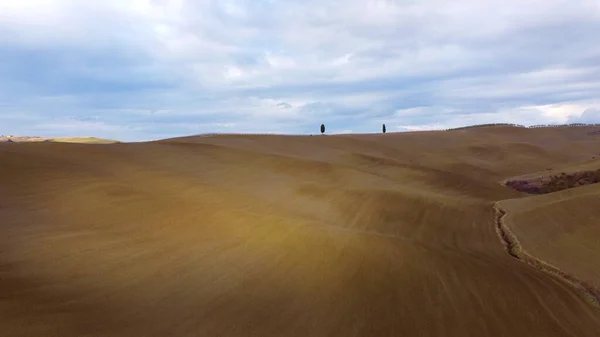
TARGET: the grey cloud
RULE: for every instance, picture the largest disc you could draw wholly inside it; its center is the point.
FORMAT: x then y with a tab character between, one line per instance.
284	105
591	116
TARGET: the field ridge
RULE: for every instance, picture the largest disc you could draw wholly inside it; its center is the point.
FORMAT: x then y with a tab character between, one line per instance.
513	248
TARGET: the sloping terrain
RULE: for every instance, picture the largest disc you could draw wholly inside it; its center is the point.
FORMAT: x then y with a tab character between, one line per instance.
354	235
589	164
84	140
561	229
543	184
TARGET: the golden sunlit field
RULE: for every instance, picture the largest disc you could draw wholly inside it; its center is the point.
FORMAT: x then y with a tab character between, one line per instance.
347	235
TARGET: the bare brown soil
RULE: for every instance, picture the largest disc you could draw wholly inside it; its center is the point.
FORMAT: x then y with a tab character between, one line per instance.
561	230
241	235
515	250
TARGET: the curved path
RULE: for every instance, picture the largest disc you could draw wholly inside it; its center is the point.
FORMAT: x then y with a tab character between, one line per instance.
515	250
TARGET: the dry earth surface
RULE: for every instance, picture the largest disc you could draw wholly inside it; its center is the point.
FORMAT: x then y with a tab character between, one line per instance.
354	235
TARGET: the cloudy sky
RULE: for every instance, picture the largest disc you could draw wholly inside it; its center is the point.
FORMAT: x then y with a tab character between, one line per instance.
150	69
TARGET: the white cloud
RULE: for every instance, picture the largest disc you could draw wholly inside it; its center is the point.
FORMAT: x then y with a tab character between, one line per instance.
278	61
561	112
233	73
422	127
340	132
340	61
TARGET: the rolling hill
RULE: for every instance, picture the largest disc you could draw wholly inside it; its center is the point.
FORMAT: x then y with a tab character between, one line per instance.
561	228
255	235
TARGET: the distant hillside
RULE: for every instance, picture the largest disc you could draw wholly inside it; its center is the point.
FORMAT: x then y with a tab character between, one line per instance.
528	127
486	125
83	140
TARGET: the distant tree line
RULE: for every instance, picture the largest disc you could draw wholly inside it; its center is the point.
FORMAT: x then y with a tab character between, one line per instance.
563	125
486	125
523	126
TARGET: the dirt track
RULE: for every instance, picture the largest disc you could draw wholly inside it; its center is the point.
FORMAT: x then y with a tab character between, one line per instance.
515	250
365	235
